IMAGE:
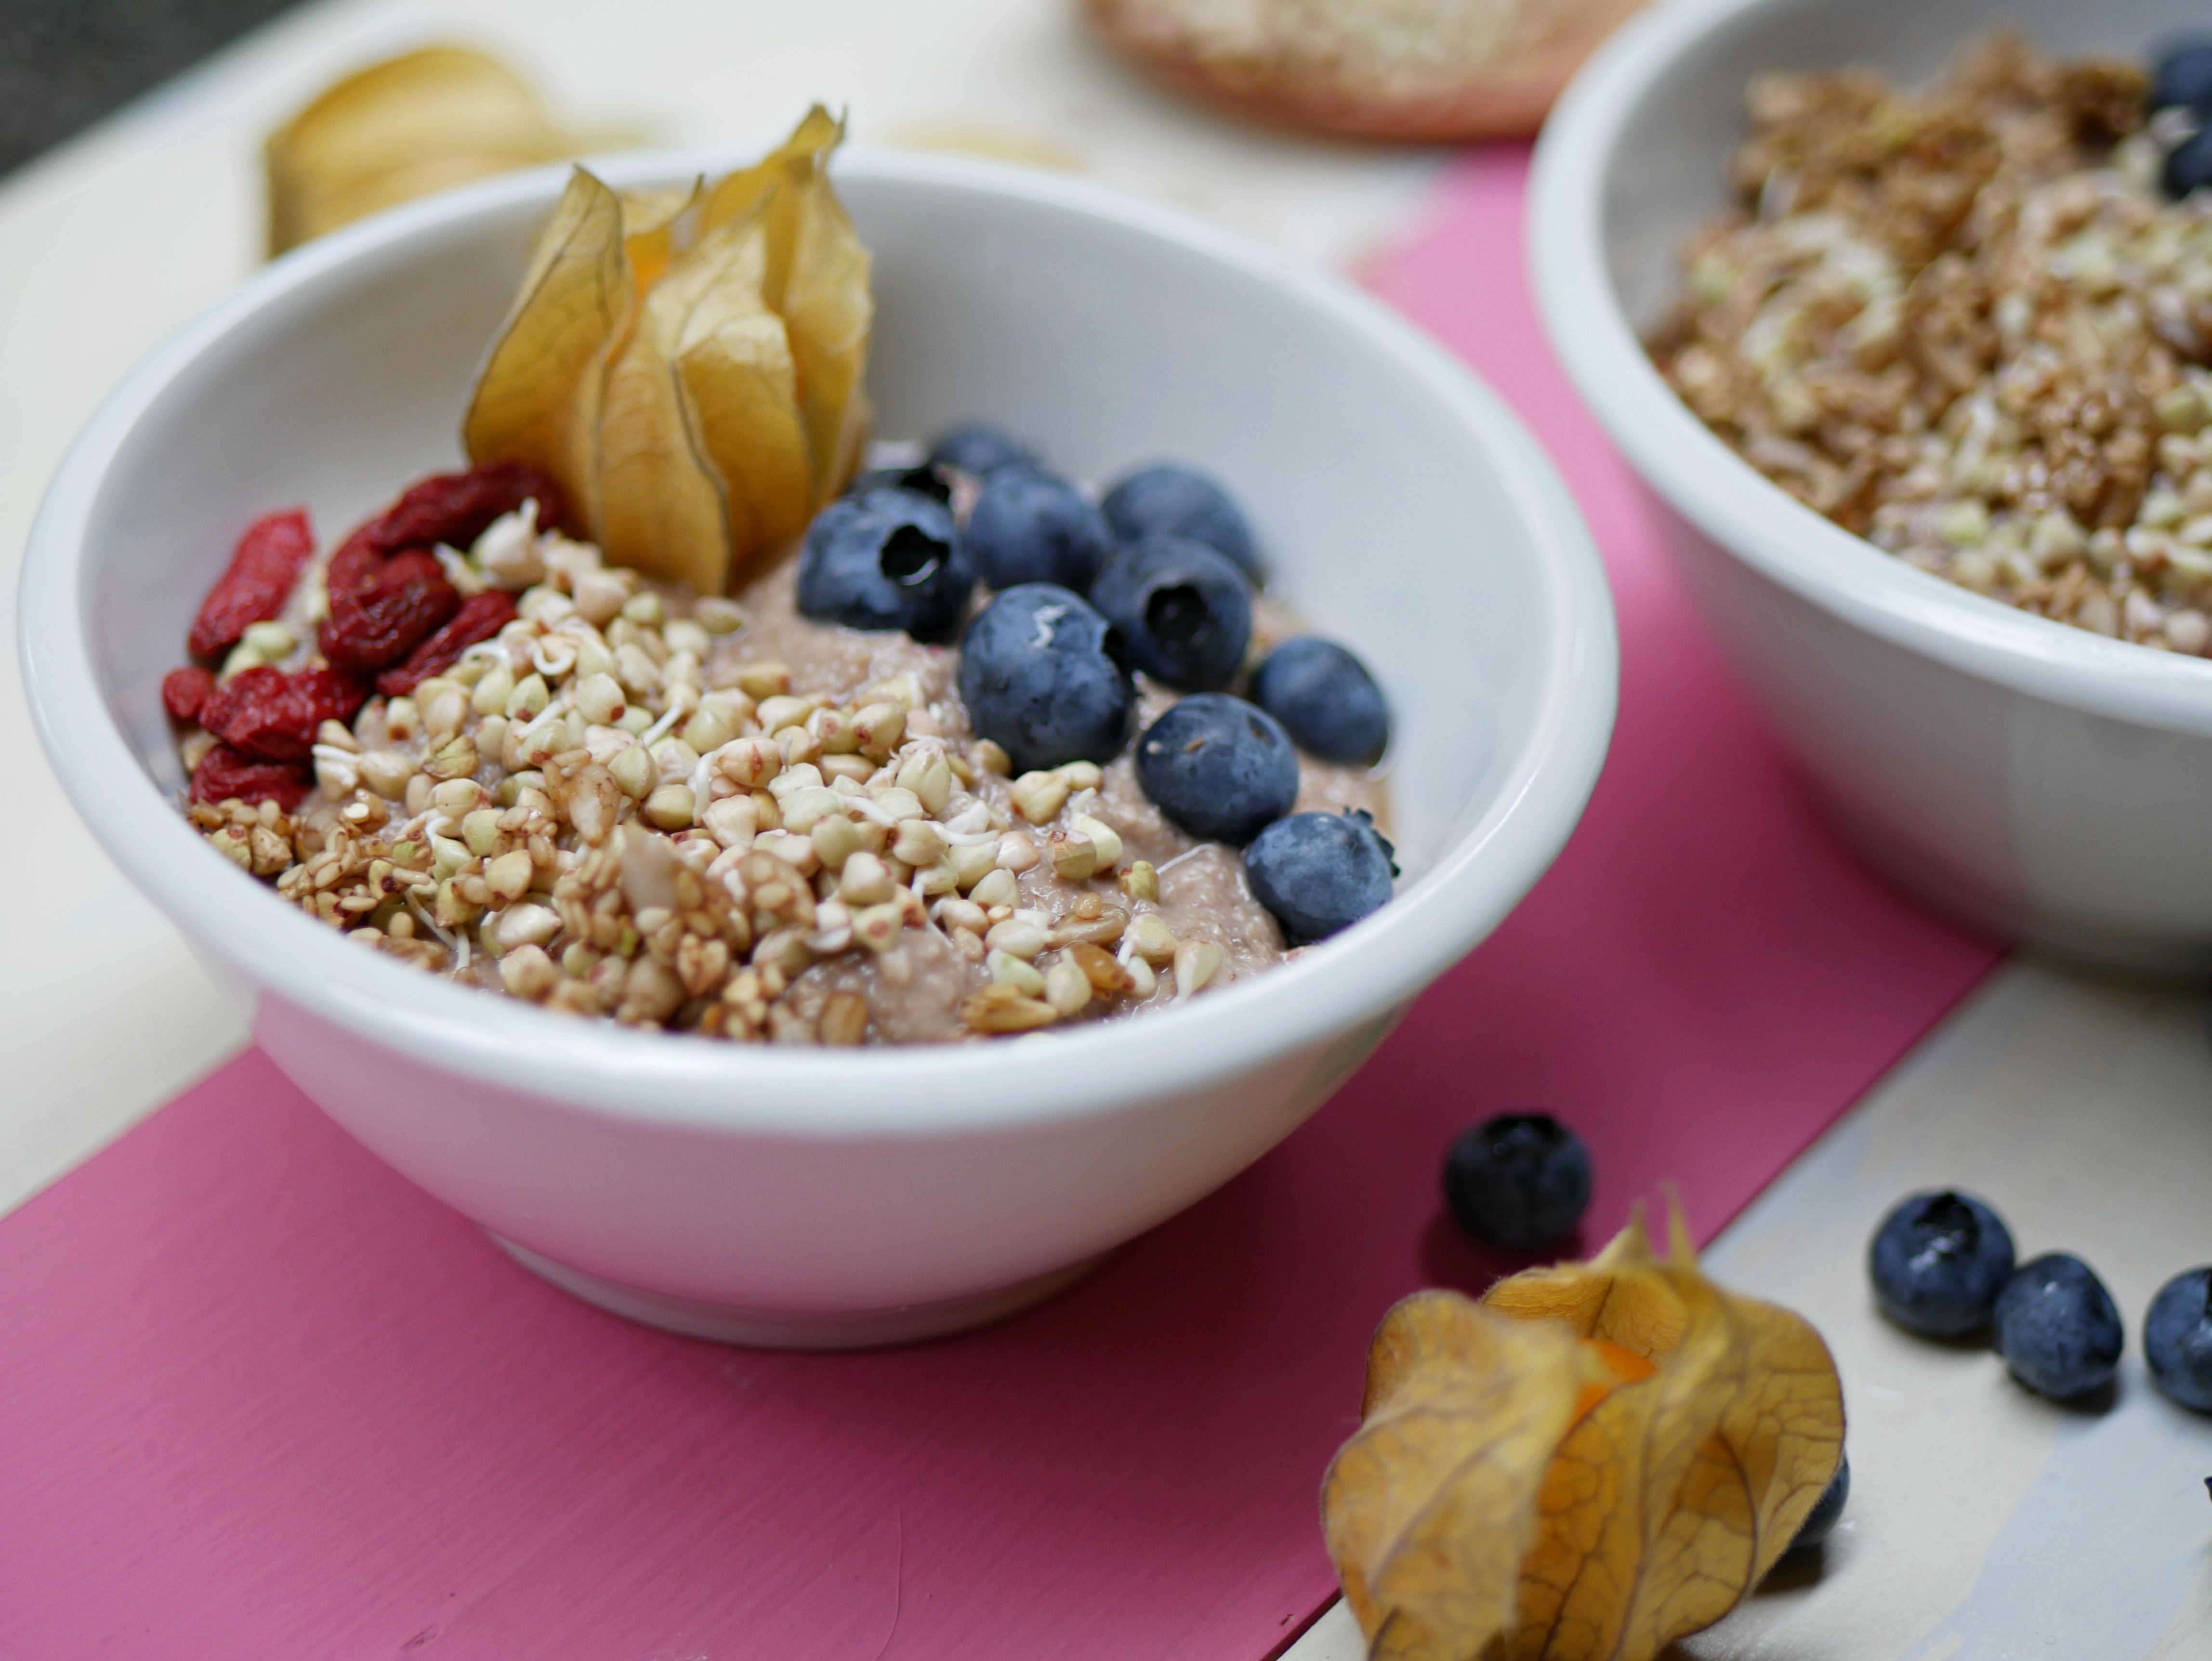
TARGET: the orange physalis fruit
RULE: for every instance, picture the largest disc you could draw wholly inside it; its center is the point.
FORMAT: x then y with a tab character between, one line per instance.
1593	1461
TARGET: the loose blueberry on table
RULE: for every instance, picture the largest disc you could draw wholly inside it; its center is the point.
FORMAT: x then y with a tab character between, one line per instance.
1521	1180
2057	1329
1820	1522
1938	1263
2177	1339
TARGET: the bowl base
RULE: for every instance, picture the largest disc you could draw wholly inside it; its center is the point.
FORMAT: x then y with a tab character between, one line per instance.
783	1328
2080	947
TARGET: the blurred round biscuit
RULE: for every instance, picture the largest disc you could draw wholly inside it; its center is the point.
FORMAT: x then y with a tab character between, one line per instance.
1422	70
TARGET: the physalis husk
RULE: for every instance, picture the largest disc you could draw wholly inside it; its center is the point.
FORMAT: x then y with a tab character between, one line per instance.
689	364
403	128
1593	1461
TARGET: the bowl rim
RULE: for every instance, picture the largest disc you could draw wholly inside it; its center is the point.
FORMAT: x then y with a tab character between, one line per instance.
1694	472
1365	976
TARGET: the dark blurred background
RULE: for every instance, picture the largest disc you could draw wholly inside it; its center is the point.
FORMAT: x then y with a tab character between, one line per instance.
64	63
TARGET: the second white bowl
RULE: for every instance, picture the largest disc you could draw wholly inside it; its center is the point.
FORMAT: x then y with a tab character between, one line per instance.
2047	784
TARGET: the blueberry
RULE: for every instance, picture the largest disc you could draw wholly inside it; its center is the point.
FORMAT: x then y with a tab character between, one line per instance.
1320	872
2188	166
1029	526
1521	1180
1939	1261
2057	1327
1185	611
2177	1339
2183	76
977	449
1325	700
923	480
1218	767
886	559
1041	676
1177	502
1820	1521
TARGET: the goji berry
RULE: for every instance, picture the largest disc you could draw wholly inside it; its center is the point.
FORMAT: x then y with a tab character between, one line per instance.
456	509
223	775
183	692
481	617
268	561
387	592
380	618
268	716
356	563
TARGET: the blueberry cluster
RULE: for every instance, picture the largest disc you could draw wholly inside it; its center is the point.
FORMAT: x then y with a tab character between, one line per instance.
1157	576
1942	1266
2181	81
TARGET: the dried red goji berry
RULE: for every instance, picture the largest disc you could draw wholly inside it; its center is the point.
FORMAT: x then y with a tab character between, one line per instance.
183	692
376	622
269	715
355	565
481	617
269	559
224	774
387	592
456	509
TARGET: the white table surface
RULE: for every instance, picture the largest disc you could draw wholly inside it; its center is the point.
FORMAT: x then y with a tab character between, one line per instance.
1982	1522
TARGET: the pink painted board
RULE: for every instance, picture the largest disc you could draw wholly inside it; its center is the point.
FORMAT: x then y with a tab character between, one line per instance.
260	1398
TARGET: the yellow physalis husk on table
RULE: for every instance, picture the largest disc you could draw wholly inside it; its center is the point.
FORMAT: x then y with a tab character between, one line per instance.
688	364
403	128
1593	1461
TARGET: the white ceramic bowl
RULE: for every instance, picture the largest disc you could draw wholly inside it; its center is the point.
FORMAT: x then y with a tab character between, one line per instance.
835	1197
2040	781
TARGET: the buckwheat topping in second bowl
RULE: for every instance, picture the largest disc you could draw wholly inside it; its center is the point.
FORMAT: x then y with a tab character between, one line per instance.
1974	325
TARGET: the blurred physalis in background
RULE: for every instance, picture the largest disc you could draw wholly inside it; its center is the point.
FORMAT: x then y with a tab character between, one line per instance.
422	122
1422	70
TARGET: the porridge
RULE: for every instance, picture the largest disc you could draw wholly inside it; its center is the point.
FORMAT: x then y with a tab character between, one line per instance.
471	742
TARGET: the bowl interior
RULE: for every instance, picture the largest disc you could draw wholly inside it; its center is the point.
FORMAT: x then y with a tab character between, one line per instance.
1090	332
1666	172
